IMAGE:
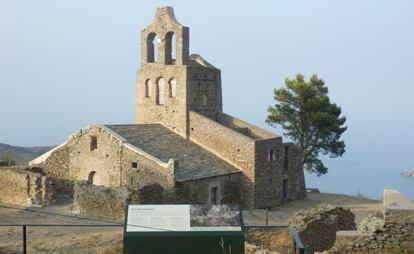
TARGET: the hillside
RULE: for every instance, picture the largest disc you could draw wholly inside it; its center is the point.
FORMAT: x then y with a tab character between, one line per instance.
22	155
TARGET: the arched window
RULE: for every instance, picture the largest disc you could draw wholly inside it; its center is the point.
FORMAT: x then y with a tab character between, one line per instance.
152	48
170	48
148	89
160	91
90	177
173	88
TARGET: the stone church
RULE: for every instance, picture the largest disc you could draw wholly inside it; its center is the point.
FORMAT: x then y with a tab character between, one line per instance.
181	139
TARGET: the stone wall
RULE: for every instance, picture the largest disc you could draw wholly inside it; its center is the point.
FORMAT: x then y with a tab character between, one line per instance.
205	90
57	168
110	164
104	202
270	175
243	127
273	239
395	235
147	172
103	162
161	68
230	145
172	113
262	180
25	187
198	191
317	226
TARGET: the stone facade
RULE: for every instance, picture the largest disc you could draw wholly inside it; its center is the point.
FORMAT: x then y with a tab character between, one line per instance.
185	95
25	187
110	164
198	191
181	140
395	235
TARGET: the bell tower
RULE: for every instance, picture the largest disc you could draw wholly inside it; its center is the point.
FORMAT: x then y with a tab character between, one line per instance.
170	82
162	85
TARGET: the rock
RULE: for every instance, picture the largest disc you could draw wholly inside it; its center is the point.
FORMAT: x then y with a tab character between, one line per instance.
409	173
317	227
372	224
254	249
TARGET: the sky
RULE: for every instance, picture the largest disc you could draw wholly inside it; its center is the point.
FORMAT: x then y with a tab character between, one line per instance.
67	64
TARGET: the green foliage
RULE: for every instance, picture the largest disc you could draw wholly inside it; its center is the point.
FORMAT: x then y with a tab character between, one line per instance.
7	161
310	119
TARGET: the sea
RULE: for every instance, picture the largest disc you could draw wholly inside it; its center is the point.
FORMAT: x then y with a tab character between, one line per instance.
366	174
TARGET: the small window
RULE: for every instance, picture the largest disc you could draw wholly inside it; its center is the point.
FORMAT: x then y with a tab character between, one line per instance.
286	160
148	85
204	100
173	88
271	156
285	188
94	143
134	165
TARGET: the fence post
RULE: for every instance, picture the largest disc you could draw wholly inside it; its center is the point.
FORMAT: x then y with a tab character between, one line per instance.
24	240
267	216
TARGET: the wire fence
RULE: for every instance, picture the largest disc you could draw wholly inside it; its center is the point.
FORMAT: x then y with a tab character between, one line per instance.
298	246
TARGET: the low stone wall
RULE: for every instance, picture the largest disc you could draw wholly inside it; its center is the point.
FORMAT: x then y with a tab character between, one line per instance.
273	239
108	202
25	187
395	235
100	201
317	227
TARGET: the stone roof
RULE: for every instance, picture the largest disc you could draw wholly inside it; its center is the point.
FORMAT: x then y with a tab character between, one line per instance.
195	162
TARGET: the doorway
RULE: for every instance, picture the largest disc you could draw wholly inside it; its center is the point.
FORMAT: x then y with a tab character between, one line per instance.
285	189
90	177
213	195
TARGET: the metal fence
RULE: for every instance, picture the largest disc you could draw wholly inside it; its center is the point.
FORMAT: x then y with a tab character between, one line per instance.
25	226
298	246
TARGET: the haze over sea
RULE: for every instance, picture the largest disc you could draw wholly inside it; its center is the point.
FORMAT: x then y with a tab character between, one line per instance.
67	64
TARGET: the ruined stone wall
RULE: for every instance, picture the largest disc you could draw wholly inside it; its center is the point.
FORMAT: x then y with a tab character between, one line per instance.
395	235
22	186
57	167
109	202
198	191
273	239
234	147
317	226
105	202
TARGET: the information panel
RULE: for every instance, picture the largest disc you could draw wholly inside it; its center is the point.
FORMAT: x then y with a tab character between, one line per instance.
155	218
